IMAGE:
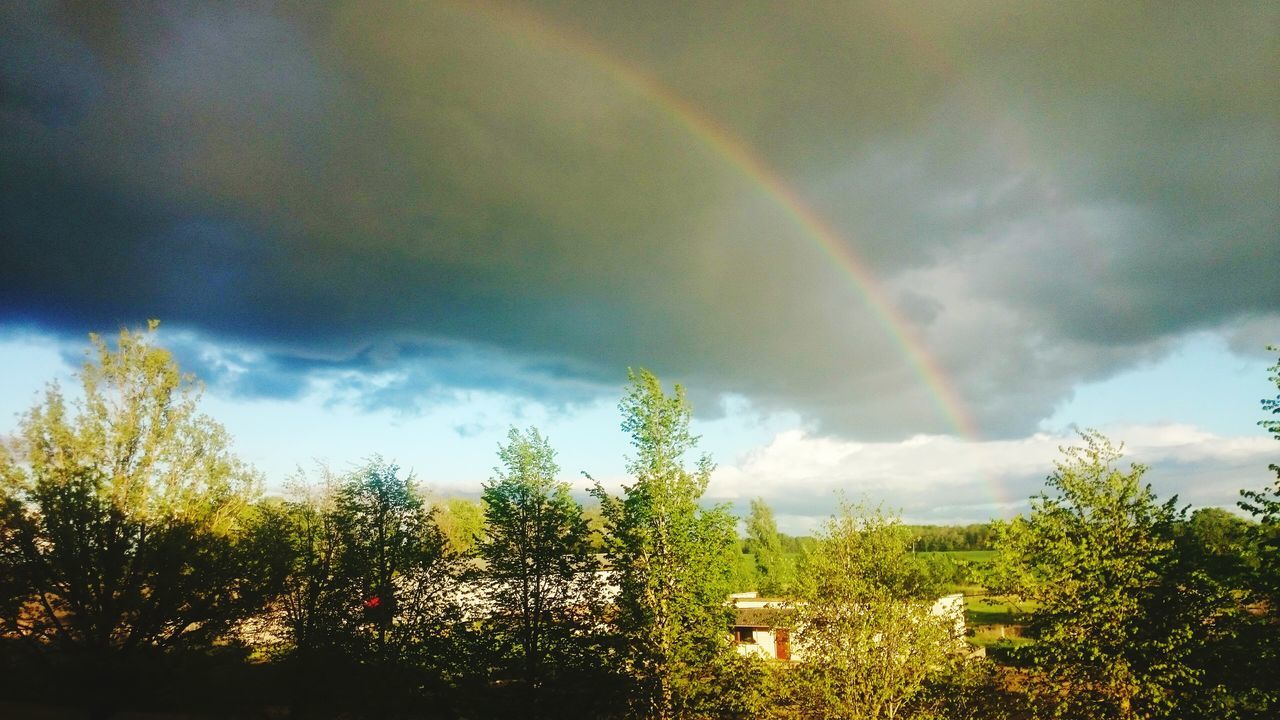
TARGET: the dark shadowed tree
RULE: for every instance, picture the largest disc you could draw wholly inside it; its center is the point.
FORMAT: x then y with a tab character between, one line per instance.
539	574
306	627
400	580
368	611
671	558
121	514
314	597
1264	505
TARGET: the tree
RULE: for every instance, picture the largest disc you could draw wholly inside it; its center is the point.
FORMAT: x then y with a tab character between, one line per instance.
1261	647
671	558
539	574
369	603
399	576
1265	504
462	522
1215	541
304	531
120	514
395	591
1118	616
865	623
765	546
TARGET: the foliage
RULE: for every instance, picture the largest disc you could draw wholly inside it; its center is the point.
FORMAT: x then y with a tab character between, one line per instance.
1215	541
370	596
764	544
462	522
399	576
136	553
1265	504
945	571
1117	616
120	513
974	689
950	538
796	545
669	556
865	627
539	576
121	518
303	533
1257	654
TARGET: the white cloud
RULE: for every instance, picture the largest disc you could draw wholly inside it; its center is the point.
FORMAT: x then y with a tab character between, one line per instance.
945	479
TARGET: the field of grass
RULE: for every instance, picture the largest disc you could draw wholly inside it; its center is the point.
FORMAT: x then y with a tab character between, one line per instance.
994	610
997	624
991	636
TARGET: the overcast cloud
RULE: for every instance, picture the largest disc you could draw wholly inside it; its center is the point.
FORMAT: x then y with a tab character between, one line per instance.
444	195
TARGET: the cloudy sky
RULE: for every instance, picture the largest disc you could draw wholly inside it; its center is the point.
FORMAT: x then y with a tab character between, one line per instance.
898	249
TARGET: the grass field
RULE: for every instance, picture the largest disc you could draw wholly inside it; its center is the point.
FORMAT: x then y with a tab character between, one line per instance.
995	610
996	623
971	564
992	636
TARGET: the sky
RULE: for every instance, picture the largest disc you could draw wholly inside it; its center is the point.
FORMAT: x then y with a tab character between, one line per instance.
899	250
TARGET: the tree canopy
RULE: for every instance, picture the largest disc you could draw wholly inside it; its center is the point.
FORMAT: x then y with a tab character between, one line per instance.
671	558
865	621
539	572
121	515
1117	617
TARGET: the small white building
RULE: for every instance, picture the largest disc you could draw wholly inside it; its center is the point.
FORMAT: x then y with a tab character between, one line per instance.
762	626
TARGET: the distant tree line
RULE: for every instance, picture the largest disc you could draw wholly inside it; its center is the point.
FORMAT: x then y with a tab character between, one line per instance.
141	568
952	538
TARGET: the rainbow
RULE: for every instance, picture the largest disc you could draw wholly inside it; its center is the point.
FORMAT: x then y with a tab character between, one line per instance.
724	143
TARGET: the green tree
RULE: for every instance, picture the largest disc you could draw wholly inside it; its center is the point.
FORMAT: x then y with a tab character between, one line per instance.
1259	653
368	610
866	628
120	515
765	546
462	522
313	601
1265	504
1216	542
399	576
1118	616
539	571
671	559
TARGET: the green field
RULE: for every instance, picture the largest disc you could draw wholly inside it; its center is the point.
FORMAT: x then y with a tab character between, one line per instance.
996	623
995	610
989	636
968	566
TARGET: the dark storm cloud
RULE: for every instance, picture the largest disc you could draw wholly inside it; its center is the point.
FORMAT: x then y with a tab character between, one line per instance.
433	196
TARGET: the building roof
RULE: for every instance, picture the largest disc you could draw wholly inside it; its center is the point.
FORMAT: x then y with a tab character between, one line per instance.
765	617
